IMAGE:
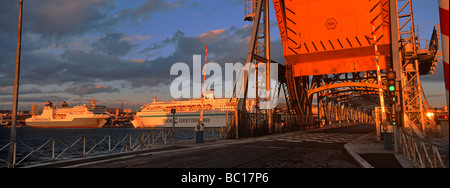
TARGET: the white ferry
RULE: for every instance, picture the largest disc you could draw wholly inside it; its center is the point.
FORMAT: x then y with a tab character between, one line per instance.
158	114
82	116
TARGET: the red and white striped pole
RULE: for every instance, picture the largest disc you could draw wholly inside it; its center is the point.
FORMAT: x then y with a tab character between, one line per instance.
443	11
380	90
203	89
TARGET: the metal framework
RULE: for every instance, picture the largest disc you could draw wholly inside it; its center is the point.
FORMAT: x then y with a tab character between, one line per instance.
343	82
413	56
257	12
357	91
261	53
410	79
345	97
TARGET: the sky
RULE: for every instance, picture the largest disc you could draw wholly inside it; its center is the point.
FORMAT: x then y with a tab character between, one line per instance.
119	52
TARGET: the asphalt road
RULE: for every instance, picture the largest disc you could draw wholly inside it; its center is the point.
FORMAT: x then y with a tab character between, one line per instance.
310	149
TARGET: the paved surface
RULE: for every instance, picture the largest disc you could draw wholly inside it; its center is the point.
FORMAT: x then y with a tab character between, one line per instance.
302	149
331	147
371	154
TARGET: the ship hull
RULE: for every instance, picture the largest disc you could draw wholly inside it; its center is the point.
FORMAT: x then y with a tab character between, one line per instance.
214	119
75	123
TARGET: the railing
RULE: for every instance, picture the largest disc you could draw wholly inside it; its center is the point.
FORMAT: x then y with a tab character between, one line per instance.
250	9
424	154
210	133
32	151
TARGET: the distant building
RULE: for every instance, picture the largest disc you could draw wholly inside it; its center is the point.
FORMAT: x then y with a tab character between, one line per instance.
119	112
1	119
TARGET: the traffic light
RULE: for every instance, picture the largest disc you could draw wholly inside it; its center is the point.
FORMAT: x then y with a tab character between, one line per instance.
394	119
390	77
391	87
392	99
388	117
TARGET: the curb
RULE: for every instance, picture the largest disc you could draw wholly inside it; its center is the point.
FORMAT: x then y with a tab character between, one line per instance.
363	163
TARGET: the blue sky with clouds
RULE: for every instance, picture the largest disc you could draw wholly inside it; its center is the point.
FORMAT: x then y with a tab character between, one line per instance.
121	51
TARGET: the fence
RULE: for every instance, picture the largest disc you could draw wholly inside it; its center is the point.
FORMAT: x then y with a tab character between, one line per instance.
425	154
32	151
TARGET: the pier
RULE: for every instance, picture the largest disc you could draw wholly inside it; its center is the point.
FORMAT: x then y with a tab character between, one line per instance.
321	148
335	146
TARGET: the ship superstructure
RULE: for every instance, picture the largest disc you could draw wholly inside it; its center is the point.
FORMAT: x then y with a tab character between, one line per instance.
158	114
81	116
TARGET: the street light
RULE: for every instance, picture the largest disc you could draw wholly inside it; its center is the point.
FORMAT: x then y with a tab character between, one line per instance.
430	115
12	135
172	135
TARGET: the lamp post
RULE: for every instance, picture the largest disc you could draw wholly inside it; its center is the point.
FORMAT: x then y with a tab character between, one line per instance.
172	136
12	137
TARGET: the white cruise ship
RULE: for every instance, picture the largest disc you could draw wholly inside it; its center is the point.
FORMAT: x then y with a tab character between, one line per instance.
158	114
82	116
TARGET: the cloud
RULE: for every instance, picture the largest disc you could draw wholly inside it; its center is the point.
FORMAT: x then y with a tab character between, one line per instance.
107	58
51	25
137	38
87	89
105	63
74	45
93	65
137	61
23	99
114	44
66	17
145	10
8	90
214	34
56	17
151	6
